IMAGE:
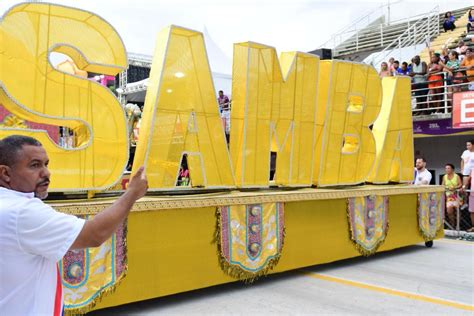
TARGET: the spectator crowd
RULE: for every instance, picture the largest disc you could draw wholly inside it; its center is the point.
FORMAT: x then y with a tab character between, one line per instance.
458	187
446	72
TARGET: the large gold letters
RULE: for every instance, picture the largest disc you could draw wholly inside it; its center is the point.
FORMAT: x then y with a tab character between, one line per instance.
349	99
181	116
393	131
273	109
316	116
32	89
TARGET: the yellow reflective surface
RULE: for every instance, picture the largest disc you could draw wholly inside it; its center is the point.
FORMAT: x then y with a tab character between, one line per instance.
315	116
349	97
181	116
33	90
273	109
393	131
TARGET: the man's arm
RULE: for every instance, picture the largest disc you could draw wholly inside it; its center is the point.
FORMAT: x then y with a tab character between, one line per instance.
424	68
103	225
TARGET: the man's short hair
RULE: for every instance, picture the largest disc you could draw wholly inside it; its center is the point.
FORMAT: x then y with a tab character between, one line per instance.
471	141
220	91
11	145
422	159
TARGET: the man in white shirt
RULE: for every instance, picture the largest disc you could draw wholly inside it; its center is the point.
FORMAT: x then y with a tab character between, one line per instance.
422	175
34	237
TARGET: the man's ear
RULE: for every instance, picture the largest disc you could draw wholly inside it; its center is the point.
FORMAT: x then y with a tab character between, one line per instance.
5	174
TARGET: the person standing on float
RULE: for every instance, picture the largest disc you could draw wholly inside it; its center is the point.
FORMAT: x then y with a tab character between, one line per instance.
34	237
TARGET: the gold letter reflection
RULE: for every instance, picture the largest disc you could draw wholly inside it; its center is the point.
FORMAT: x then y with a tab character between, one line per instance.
181	116
32	89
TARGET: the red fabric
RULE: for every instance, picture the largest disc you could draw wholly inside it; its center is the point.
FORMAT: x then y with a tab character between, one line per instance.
58	300
53	131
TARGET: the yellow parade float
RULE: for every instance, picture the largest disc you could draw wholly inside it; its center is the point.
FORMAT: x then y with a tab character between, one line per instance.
342	137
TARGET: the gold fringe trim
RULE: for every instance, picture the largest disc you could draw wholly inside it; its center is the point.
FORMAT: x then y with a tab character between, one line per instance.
154	203
363	251
236	271
425	236
110	290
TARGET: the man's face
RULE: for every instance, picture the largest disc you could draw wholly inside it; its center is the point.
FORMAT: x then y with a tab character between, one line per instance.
416	60
468	146
419	164
30	172
221	94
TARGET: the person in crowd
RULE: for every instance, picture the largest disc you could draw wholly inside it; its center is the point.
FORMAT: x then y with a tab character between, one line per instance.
444	55
183	176
448	24
435	82
468	64
471	203
384	70
461	50
454	75
422	175
404	69
470	21
395	68
467	162
224	107
418	74
34	237
223	100
391	61
409	66
452	183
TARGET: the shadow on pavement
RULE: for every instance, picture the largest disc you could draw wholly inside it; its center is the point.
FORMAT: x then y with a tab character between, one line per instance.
225	289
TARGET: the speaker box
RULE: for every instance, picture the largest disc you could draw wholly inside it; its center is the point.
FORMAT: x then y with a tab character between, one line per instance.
323	53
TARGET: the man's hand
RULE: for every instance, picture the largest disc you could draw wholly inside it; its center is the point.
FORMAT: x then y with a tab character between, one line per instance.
138	184
103	225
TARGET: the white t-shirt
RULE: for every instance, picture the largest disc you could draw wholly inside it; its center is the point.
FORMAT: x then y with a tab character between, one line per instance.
33	238
468	158
424	175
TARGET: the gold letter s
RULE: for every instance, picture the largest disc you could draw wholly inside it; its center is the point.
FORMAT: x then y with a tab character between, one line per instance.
32	89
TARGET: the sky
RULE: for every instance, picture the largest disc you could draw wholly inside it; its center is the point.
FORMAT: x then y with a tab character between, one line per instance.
287	25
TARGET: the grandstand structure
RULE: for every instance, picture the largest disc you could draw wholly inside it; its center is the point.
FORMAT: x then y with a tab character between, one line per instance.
373	38
379	34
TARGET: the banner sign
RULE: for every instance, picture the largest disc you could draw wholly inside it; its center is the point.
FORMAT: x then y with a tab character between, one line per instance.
436	127
463	109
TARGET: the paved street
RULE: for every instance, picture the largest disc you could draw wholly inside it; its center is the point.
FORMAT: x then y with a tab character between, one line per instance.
410	281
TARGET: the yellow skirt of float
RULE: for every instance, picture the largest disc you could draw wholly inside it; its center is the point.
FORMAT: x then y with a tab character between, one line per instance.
172	244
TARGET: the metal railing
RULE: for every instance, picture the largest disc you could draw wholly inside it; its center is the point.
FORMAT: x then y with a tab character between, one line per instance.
378	35
421	31
459	228
355	26
437	98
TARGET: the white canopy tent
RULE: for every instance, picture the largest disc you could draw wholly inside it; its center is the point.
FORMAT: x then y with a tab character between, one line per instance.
221	68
